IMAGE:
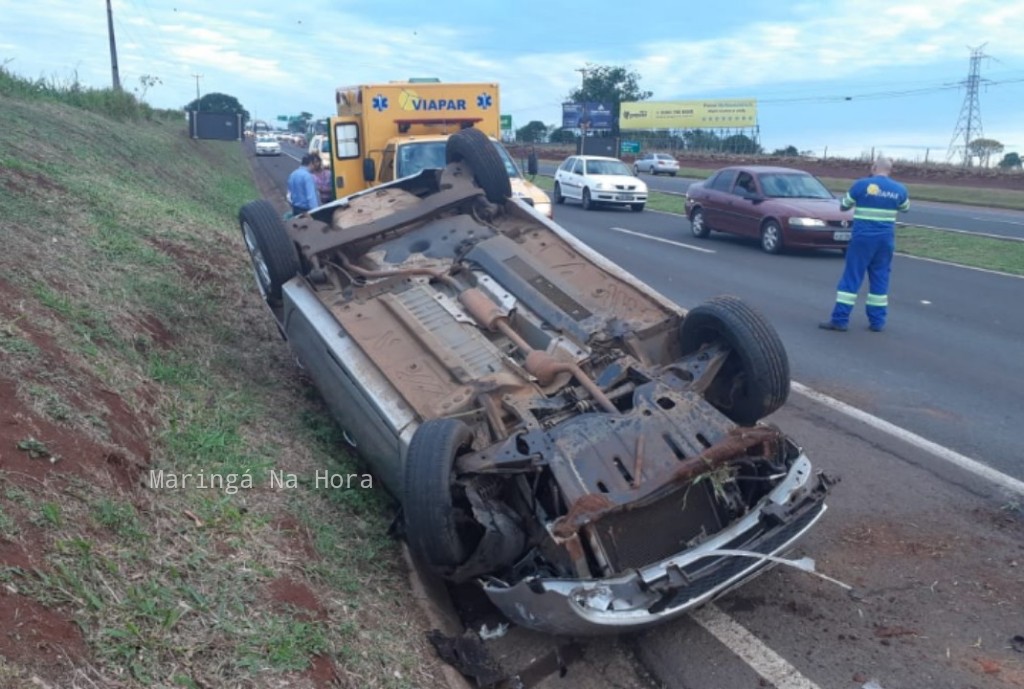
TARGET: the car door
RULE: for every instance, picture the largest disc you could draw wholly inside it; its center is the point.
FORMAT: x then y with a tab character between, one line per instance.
716	200
745	205
573	187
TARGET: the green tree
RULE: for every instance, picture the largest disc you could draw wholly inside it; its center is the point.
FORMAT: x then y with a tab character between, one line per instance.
1011	161
740	143
218	102
984	149
299	124
533	132
789	151
562	136
609	84
702	140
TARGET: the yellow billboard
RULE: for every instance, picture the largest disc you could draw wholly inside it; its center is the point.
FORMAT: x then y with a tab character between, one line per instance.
688	114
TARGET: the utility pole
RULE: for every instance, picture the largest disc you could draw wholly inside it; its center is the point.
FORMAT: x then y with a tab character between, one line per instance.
584	116
968	125
197	77
113	48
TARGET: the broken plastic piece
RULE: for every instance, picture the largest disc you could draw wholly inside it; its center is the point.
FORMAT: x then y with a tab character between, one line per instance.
804	564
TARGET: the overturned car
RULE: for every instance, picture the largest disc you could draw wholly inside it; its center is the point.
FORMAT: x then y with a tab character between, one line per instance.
554	429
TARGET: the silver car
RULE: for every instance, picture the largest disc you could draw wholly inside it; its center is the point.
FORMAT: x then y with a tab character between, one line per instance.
656	164
555	430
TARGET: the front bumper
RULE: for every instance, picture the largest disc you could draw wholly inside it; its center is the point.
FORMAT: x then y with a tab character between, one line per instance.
821	238
661	591
602	196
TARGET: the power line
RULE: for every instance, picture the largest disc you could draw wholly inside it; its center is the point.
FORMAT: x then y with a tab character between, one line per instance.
968	125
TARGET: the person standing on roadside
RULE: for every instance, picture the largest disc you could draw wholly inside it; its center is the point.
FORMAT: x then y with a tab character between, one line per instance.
302	185
875	201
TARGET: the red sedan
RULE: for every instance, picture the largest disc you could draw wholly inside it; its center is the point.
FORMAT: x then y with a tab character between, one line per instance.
781	206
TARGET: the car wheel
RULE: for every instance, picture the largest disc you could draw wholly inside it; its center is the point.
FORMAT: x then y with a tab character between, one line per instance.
637	207
558	193
754	380
474	147
439	528
588	205
636	170
771	237
698	225
272	253
672	174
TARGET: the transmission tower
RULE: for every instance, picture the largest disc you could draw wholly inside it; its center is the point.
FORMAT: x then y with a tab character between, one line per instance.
968	125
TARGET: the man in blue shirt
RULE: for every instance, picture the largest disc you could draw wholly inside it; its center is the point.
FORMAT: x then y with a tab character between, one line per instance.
302	186
875	201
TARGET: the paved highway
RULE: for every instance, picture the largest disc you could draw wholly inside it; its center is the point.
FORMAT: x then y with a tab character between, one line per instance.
949	366
1003	223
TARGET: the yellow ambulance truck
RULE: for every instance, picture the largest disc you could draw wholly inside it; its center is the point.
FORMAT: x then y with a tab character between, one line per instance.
386	131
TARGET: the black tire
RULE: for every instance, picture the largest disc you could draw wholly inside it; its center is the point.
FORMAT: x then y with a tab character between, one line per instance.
672	174
754	380
274	261
588	204
636	171
771	237
478	151
559	198
636	207
698	226
438	529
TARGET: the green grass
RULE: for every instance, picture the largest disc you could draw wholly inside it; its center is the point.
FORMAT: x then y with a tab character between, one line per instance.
121	248
962	248
965	249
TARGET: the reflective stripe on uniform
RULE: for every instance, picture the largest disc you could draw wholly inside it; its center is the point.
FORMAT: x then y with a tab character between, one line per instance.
877	299
848	298
905	206
876	214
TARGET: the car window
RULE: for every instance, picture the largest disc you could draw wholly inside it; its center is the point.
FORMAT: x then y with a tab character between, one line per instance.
577	169
794	185
567	164
723	180
607	167
745	184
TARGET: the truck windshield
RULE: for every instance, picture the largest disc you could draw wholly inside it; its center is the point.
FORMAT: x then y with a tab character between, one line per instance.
419	155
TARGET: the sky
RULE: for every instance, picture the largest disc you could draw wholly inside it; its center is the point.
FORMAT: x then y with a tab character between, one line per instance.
831	77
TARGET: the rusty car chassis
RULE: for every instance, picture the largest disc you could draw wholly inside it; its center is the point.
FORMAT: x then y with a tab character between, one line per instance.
554	429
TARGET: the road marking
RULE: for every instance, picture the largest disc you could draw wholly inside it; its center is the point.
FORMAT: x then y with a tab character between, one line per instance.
738	639
666	241
967	232
964	462
1008	222
960	265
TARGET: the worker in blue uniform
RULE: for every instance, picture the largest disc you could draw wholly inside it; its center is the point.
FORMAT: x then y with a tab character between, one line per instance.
875	201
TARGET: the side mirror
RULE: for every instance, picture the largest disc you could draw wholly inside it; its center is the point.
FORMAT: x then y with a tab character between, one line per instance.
369	170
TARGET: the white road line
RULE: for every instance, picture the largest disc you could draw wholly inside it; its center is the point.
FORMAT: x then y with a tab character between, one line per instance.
960	265
973	466
967	232
666	241
1008	222
765	662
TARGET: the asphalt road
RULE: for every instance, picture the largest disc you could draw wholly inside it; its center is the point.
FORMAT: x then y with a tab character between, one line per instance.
949	366
1003	223
935	556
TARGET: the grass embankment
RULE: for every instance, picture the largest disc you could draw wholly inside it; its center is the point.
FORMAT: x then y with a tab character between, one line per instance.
954	247
132	338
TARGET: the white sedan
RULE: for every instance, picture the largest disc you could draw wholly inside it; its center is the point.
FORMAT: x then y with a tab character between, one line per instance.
594	180
267	146
656	164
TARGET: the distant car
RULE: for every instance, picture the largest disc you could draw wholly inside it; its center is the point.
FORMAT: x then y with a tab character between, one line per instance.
597	180
656	164
267	146
781	206
322	145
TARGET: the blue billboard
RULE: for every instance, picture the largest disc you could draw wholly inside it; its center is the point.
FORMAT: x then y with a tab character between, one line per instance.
593	115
